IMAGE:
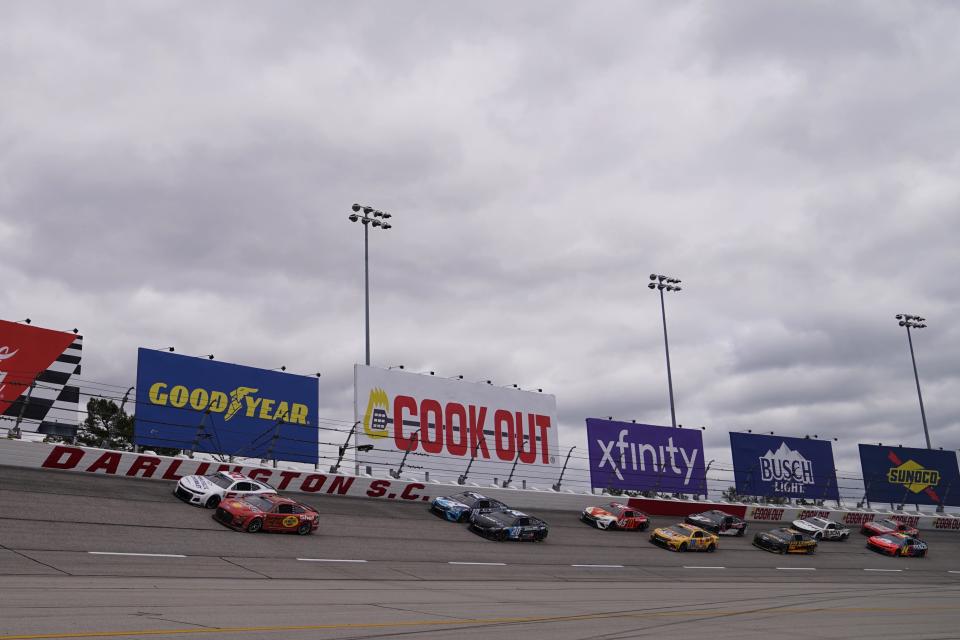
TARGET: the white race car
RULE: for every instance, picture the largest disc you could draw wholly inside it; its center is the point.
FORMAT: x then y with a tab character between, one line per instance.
821	529
208	491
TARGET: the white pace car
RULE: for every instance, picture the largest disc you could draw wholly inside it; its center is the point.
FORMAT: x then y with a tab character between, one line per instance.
208	491
821	529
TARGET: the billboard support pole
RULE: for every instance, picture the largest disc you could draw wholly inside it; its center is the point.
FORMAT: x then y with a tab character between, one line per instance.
413	437
462	479
123	403
273	441
343	449
15	432
506	483
556	487
199	434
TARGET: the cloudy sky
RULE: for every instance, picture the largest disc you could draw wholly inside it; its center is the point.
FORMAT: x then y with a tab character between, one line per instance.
174	173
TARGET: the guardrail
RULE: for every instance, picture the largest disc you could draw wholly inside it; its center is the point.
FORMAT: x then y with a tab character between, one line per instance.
67	458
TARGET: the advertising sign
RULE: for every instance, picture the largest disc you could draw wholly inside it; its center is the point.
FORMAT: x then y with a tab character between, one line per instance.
445	423
216	407
910	476
36	368
644	457
776	466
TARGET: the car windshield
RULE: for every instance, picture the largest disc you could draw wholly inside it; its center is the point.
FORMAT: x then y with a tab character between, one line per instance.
220	480
260	503
468	499
677	531
820	522
889	524
892	537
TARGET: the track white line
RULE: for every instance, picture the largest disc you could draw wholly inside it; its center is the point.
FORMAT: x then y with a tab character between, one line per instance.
327	560
143	555
686	567
796	568
599	566
953	571
885	570
482	564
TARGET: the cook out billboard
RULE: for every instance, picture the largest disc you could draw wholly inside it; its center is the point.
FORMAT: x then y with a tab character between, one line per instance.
645	457
217	407
444	423
910	476
776	466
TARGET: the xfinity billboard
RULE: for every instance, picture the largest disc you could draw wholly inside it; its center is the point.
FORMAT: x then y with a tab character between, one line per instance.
774	466
643	457
444	425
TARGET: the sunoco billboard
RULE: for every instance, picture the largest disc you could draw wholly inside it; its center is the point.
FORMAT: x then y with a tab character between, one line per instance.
216	407
444	423
910	476
776	466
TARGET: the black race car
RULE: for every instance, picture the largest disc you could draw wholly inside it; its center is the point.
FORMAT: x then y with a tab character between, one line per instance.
718	522
785	541
509	525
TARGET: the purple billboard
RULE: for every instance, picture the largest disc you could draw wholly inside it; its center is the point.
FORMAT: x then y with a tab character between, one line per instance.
644	457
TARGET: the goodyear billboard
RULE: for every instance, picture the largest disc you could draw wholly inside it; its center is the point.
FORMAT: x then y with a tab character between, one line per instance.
217	407
910	476
447	425
777	466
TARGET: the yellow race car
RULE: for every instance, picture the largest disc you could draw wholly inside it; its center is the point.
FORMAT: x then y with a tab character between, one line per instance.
684	537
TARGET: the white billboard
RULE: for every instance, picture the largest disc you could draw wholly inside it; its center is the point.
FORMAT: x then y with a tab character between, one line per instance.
445	423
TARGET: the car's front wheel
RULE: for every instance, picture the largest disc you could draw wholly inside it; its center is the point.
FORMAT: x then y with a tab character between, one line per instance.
304	528
500	536
711	548
254	525
682	547
741	531
212	502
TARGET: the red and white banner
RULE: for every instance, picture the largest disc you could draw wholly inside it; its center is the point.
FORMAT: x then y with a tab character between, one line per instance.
444	423
36	366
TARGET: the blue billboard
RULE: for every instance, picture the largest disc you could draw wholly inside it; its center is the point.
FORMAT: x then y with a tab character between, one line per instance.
644	457
910	476
216	407
776	466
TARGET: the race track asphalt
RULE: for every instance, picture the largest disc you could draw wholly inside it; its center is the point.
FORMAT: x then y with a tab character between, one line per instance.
97	557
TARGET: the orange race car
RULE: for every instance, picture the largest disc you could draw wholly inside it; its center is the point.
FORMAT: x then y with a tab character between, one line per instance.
615	516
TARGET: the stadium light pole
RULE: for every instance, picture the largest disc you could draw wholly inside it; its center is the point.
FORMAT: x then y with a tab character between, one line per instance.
663	283
368	217
915	322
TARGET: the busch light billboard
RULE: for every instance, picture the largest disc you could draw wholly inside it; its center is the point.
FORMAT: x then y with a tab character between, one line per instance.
198	404
643	457
910	476
776	466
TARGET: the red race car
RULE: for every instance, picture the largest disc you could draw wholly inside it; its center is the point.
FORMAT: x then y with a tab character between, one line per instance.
615	516
267	513
898	544
880	527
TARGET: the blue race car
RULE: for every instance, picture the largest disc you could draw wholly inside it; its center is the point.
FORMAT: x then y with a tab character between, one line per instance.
509	525
459	507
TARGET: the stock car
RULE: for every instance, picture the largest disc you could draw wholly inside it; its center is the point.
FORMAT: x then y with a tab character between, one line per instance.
615	516
898	544
880	527
267	513
509	525
462	506
718	522
821	529
785	541
684	537
208	491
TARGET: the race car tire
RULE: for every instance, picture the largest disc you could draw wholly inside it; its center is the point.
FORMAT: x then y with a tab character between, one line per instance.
500	536
304	528
711	548
682	547
818	536
255	525
212	502
922	554
740	532
844	537
644	526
